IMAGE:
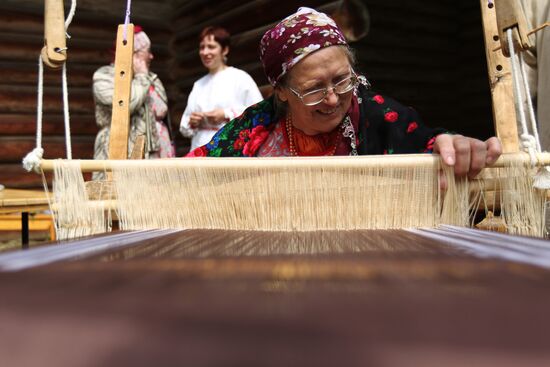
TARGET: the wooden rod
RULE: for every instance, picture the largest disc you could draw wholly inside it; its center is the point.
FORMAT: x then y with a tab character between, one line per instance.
500	82
54	52
120	119
386	161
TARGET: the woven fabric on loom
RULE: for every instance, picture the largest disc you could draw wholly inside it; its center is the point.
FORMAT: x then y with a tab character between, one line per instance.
293	194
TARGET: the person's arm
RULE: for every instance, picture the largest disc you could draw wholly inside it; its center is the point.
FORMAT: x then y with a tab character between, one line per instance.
185	127
247	95
159	100
401	130
103	87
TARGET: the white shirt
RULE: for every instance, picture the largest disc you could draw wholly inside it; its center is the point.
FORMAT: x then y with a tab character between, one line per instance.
231	89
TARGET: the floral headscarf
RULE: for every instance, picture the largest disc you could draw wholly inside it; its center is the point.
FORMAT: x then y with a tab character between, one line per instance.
141	40
294	38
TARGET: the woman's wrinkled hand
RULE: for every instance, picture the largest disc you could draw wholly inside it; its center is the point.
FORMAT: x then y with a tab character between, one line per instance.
467	155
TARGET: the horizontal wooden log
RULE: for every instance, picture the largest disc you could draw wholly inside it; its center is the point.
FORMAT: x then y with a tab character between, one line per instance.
150	15
22	99
25	124
246	16
14	176
189	8
245	47
15	148
27	47
18	72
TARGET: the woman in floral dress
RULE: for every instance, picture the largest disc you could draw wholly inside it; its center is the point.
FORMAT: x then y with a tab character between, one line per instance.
321	106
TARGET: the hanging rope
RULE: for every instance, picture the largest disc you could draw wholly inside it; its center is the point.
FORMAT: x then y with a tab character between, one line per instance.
66	112
31	162
127	18
70	16
528	141
529	99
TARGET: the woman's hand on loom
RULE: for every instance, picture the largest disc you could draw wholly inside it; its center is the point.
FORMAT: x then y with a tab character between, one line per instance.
467	155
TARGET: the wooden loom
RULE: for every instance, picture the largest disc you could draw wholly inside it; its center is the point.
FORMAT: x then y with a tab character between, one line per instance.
506	129
447	296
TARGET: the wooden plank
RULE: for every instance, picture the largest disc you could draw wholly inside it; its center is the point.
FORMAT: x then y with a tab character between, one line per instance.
17	197
37	222
54	52
120	122
500	82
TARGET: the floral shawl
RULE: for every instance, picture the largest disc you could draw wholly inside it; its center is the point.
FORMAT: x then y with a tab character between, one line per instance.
383	126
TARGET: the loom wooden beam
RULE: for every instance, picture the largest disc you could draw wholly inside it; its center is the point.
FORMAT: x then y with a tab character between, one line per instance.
510	16
120	120
54	52
393	161
500	82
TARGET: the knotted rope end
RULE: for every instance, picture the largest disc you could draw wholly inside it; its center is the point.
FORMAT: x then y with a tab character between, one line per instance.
31	162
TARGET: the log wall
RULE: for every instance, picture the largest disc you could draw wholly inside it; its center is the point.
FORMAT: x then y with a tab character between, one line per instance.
428	54
21	36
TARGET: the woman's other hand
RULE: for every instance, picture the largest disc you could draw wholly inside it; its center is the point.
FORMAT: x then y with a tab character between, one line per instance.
196	119
467	155
140	63
215	117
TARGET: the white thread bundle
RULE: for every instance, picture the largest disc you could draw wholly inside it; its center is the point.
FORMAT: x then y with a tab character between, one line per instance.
75	216
288	194
304	194
286	198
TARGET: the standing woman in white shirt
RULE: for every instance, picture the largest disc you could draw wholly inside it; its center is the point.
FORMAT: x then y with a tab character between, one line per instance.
219	96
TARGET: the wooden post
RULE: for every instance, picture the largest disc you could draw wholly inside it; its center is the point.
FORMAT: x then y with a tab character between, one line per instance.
500	81
54	51
120	120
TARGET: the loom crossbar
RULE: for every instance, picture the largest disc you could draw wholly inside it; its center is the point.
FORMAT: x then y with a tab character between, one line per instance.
387	161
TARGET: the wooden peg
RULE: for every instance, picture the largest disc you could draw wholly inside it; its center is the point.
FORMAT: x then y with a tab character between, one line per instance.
511	16
54	52
120	119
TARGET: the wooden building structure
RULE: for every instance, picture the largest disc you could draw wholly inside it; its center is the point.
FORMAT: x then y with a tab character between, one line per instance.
428	54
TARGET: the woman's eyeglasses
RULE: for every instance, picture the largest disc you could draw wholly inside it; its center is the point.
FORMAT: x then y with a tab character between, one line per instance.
317	96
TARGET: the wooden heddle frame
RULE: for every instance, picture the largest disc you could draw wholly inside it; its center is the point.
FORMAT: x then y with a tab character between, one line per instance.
289	194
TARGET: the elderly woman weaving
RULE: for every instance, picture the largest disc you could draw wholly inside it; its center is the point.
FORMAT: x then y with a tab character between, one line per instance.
321	106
